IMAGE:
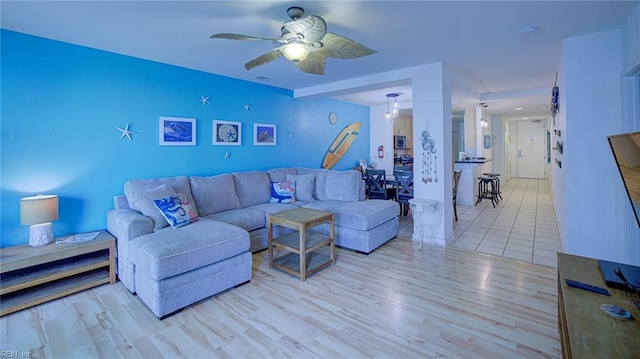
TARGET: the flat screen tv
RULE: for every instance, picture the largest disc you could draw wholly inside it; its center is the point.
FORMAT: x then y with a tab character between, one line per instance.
626	151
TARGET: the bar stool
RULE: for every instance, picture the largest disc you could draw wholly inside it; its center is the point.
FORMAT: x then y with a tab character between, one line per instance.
497	176
487	187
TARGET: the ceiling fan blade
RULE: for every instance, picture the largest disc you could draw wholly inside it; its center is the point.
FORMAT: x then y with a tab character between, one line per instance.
313	64
263	59
228	36
311	28
339	47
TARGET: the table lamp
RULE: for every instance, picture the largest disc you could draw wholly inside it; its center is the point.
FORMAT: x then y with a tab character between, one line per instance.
38	212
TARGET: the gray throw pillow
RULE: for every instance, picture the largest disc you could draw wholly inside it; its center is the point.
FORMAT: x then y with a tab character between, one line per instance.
305	185
143	200
342	185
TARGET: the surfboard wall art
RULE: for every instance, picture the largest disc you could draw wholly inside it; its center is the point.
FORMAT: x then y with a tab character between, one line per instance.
341	144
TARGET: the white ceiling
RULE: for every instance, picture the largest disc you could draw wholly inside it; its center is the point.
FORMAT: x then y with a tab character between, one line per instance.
492	59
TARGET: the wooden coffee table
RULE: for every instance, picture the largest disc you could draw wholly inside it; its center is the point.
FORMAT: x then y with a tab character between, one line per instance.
303	258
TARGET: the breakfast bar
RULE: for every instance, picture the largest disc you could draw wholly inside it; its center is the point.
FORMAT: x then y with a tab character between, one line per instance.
468	185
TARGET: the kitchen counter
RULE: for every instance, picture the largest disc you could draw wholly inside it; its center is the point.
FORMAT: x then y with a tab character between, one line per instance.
468	185
476	160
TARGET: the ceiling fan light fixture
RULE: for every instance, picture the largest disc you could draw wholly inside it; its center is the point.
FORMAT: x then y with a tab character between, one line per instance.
295	51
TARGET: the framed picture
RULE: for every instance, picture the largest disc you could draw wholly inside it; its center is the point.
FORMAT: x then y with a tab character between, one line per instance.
227	133
264	134
177	131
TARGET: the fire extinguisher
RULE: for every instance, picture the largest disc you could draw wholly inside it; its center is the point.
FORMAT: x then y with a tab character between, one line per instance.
380	151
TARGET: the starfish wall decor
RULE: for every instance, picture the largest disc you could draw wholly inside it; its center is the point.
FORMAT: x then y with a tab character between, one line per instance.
125	132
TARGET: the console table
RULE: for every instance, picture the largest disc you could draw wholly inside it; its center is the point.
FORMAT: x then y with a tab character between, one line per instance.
302	245
585	331
33	275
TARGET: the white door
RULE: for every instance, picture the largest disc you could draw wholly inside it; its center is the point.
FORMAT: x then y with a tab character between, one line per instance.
531	149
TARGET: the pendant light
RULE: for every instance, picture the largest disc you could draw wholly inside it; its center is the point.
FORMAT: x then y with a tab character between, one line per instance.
483	120
392	113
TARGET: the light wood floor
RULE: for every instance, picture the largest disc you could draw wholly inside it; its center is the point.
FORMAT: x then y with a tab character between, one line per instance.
397	302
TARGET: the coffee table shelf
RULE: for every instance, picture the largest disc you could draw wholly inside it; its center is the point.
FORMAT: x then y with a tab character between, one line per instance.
290	262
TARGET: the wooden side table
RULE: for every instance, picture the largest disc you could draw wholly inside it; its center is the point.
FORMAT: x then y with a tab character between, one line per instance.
302	258
33	275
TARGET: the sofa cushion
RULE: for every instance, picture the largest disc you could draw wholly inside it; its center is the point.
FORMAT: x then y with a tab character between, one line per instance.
361	215
169	252
283	192
305	185
143	200
177	210
245	218
321	177
214	194
252	187
280	174
342	185
180	184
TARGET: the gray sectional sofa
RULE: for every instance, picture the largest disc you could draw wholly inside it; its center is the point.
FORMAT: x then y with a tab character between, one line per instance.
170	268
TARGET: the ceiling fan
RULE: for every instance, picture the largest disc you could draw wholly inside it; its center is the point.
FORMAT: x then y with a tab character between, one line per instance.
305	42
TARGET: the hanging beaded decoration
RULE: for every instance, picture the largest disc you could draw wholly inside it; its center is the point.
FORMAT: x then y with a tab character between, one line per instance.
429	158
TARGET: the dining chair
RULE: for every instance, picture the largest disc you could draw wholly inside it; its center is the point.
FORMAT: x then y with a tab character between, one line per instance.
404	189
377	183
456	180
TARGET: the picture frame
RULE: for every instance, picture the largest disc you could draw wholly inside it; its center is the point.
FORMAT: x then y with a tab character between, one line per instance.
177	131
227	133
264	134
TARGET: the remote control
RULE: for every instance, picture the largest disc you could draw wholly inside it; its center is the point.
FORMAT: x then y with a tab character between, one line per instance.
589	287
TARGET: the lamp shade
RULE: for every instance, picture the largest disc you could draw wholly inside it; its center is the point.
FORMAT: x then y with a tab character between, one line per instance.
38	209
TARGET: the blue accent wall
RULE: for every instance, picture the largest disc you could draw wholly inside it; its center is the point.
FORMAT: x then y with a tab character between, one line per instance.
61	103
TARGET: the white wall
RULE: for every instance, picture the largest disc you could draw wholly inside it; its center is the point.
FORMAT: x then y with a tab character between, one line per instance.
631	40
631	109
470	129
588	198
381	134
497	132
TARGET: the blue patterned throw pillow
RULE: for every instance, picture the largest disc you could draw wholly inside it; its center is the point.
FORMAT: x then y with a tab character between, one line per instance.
177	210
283	192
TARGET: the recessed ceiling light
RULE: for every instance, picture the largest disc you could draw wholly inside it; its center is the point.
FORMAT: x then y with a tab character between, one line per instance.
518	108
525	118
529	29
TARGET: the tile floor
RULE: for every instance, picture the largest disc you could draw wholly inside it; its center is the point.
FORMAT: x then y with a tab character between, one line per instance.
522	226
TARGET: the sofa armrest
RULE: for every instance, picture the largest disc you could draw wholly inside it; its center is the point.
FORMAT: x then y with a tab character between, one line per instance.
125	225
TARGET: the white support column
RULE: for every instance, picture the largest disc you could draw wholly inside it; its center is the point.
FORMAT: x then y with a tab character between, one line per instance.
432	115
